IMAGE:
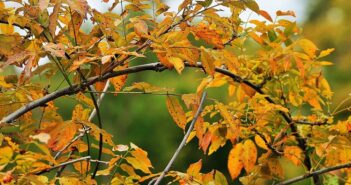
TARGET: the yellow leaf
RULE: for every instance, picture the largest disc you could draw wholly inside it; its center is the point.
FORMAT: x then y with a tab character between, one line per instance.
177	63
6	29
81	97
326	63
119	81
194	169
140	27
294	154
140	160
176	111
325	52
235	163
249	155
275	168
207	61
308	47
260	142
70	181
6	154
82	167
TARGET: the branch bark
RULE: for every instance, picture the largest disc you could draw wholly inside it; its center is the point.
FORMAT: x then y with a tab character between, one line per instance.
315	173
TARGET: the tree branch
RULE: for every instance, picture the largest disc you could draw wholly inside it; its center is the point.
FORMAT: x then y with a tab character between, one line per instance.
315	173
185	138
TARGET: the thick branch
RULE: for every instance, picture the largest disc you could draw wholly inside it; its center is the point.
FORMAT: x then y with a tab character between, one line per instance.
315	173
185	138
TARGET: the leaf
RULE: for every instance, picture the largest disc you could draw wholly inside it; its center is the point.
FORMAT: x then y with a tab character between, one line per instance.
53	17
194	169
308	47
249	91
77	63
81	97
177	63
260	142
43	4
80	6
209	36
176	111
294	154
220	178
61	134
284	13
82	167
119	81
42	137
147	88
235	163
140	160
252	5
265	15
140	27
249	155
6	154
326	52
57	50
207	61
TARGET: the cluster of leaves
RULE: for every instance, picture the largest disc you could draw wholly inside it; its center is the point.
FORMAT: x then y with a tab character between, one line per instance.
278	107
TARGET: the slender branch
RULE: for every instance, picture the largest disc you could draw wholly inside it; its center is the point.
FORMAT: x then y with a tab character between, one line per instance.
64	164
185	138
92	114
315	173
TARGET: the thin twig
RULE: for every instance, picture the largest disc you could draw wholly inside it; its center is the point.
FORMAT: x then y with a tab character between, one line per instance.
185	138
64	164
315	173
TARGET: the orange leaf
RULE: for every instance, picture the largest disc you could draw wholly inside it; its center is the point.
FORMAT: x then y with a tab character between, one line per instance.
235	163
207	61
140	160
249	155
176	111
289	12
82	167
294	154
209	36
265	15
61	135
249	91
119	81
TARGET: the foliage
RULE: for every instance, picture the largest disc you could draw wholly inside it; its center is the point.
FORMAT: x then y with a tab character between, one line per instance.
278	105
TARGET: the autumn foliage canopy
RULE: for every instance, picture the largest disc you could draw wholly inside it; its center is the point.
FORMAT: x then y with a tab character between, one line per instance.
278	109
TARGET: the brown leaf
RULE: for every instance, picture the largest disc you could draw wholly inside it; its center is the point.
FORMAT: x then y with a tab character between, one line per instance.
53	18
57	50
